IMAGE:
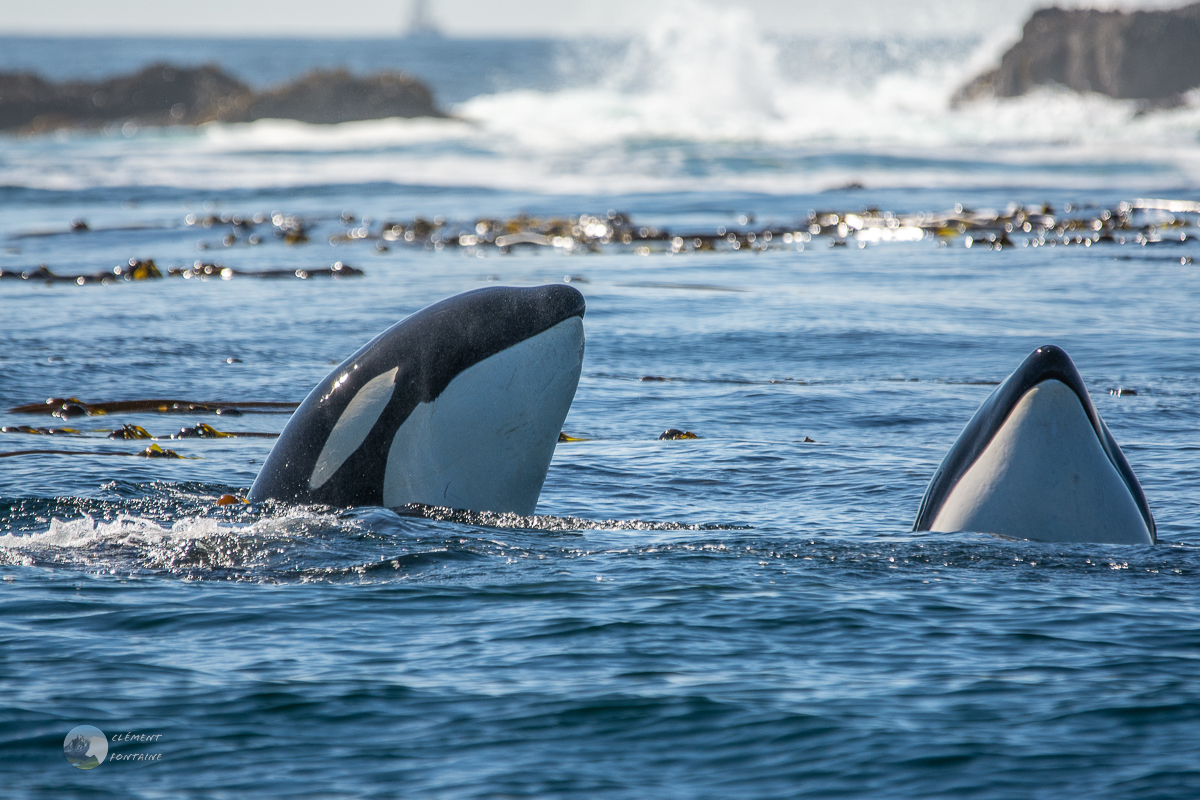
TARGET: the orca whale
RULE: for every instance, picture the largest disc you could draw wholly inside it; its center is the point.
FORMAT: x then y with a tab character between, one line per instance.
1037	462
458	405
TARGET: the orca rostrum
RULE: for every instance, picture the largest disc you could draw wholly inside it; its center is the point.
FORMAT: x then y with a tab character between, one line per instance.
1037	462
458	405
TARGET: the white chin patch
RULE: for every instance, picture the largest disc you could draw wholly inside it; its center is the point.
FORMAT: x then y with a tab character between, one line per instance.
486	441
1045	476
353	425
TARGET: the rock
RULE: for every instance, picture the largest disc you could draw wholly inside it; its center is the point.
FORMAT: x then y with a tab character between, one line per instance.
328	97
162	94
158	95
1144	55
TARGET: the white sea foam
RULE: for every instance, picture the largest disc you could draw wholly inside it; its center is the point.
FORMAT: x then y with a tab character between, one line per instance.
87	532
710	63
699	102
194	547
275	135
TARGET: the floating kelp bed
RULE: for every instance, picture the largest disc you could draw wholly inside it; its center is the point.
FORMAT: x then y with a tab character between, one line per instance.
202	270
144	270
153	451
67	407
199	431
129	432
1139	222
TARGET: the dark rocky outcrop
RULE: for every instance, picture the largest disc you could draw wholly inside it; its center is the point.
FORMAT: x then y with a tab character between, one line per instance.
327	97
1153	56
158	95
162	94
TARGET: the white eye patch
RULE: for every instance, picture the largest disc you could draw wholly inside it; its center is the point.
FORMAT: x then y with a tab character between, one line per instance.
352	427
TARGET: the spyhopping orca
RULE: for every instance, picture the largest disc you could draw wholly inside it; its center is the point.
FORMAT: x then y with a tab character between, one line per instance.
458	405
1037	462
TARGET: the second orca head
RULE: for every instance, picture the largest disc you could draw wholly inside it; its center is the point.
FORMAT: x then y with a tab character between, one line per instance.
1037	462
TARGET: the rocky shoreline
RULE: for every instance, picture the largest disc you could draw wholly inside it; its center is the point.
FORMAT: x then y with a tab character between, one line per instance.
1150	56
163	94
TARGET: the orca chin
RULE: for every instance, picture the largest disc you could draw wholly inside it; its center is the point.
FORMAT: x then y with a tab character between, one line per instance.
1037	462
458	405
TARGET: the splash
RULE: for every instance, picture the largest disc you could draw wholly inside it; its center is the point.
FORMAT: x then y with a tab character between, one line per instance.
546	522
704	99
706	63
293	543
190	547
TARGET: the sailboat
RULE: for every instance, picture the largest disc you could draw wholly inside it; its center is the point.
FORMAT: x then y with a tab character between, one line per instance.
420	23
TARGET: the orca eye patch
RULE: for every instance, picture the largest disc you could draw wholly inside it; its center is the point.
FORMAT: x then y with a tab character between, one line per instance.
353	425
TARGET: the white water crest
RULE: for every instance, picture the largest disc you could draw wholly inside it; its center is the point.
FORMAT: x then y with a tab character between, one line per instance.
86	531
708	63
132	544
703	99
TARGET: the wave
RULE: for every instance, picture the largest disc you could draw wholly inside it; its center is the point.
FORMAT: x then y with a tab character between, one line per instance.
288	544
900	113
377	545
602	142
190	546
704	99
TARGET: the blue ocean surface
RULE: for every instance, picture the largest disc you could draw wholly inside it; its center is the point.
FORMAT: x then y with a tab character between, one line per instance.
746	614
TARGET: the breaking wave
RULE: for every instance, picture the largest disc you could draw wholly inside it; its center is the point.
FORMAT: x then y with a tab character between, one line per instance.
704	98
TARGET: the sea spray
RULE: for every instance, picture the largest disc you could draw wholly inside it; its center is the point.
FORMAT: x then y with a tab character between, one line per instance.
702	99
703	62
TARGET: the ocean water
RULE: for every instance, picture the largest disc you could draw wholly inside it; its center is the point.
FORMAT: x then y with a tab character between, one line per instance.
745	614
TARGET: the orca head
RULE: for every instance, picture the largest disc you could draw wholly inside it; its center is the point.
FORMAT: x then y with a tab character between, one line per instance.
1037	462
458	405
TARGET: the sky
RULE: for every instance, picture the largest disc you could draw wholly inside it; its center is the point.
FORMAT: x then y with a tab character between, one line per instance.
484	18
